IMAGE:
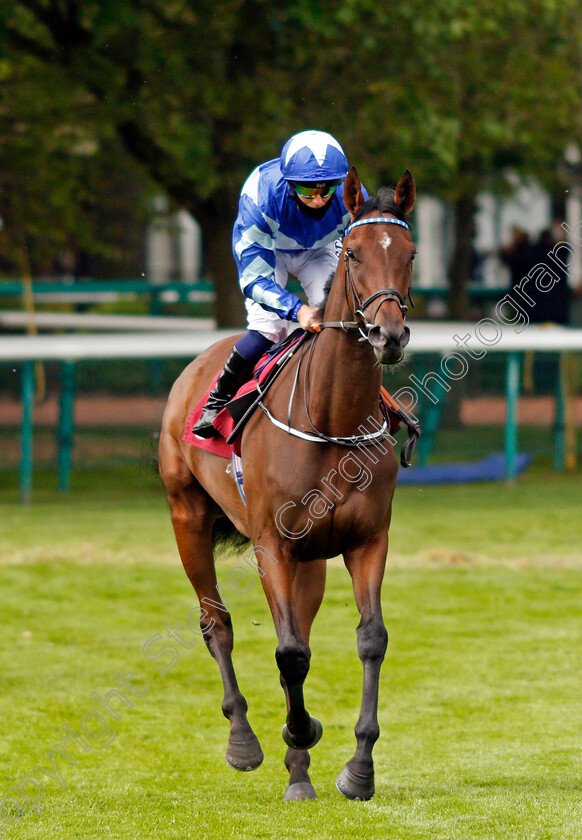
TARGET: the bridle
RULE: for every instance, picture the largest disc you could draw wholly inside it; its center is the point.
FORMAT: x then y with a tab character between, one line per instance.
362	324
363	327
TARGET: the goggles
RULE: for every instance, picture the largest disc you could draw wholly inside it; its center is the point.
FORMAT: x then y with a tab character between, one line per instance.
310	190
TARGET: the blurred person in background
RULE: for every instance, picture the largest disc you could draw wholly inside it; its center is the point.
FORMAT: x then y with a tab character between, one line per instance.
521	257
552	306
516	255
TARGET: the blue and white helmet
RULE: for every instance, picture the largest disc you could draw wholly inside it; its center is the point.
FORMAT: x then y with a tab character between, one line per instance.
313	156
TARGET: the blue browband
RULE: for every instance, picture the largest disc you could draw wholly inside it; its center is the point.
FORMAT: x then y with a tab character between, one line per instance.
376	221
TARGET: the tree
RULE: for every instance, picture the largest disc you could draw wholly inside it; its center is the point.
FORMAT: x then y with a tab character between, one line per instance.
62	181
175	86
199	94
463	94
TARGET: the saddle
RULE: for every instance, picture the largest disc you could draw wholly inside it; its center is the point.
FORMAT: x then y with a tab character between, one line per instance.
238	410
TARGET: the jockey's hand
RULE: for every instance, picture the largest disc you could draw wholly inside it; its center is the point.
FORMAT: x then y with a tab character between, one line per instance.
309	317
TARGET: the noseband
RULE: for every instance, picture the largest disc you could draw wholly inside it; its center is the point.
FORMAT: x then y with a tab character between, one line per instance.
362	324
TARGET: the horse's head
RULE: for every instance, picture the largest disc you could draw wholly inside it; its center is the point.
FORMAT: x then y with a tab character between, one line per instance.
378	252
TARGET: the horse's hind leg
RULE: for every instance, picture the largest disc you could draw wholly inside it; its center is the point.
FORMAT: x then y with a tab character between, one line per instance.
366	566
192	515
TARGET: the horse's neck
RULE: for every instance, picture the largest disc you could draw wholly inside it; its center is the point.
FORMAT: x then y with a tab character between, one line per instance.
344	372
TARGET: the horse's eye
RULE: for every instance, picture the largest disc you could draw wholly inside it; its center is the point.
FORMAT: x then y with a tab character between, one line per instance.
350	254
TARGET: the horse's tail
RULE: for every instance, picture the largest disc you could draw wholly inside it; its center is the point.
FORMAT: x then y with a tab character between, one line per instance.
226	537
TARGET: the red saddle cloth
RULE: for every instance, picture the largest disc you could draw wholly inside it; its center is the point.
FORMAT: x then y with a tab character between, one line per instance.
225	424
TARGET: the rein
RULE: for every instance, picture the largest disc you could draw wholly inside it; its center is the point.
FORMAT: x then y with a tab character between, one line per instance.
382	432
315	436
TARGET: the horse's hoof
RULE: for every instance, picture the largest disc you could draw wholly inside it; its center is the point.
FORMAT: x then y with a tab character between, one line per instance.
308	741
245	755
354	786
299	791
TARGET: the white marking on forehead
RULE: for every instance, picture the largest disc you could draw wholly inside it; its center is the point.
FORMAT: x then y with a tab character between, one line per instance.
386	241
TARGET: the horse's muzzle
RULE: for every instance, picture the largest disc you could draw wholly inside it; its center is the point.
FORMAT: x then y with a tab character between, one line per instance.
389	343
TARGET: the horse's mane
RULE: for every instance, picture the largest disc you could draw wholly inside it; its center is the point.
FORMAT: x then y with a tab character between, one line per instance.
383	202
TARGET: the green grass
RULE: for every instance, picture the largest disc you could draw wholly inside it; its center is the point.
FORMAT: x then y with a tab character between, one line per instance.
479	711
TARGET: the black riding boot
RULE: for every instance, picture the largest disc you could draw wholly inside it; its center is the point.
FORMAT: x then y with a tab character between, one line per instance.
235	372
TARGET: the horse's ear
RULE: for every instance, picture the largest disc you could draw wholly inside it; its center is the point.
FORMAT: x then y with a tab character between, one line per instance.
405	193
353	195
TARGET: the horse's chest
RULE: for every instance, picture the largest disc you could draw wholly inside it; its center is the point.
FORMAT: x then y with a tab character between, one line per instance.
344	499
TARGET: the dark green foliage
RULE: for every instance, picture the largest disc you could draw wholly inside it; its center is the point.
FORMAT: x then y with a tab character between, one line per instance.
198	94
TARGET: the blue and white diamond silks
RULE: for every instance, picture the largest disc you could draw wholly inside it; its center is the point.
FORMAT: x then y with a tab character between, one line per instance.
270	220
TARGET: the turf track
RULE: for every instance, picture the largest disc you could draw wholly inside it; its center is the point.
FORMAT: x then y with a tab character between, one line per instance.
480	696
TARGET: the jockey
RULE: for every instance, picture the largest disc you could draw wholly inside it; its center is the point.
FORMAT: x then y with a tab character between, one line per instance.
290	213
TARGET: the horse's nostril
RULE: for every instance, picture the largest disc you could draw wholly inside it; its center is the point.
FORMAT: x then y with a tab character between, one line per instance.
381	336
377	336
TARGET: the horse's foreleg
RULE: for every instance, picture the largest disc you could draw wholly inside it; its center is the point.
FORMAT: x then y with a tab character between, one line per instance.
308	588
292	654
191	514
366	566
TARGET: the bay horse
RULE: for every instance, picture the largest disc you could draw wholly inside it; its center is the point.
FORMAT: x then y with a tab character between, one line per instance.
336	386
